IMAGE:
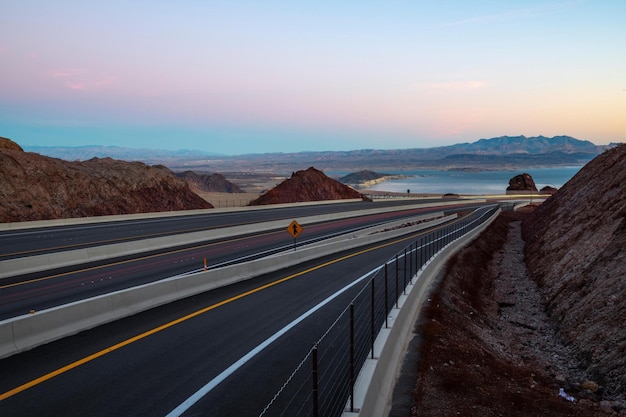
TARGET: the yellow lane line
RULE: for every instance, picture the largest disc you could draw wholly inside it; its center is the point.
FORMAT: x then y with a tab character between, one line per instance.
127	342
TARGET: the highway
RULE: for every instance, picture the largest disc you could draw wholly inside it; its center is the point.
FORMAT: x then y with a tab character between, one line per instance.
16	242
38	291
235	343
151	363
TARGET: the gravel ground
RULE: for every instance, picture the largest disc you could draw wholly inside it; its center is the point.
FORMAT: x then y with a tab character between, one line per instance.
484	345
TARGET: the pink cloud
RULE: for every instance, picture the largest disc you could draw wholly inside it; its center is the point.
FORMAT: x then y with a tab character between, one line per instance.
453	85
75	86
82	79
66	73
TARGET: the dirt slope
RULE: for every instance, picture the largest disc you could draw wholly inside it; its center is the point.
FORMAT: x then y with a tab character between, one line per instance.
488	348
36	187
515	320
576	251
308	185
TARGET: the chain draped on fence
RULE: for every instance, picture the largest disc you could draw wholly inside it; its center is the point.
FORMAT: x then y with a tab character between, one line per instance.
323	382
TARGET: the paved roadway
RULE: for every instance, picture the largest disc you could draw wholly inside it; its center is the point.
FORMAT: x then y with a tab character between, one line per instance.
148	364
38	291
28	242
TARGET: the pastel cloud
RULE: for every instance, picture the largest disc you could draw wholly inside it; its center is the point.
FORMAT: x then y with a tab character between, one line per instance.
82	79
452	85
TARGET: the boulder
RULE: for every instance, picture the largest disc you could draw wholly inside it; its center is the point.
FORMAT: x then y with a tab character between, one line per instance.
521	182
548	190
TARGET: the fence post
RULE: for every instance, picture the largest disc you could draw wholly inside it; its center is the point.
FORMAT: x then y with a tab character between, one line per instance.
411	264
386	298
421	252
397	295
404	280
352	357
373	319
315	386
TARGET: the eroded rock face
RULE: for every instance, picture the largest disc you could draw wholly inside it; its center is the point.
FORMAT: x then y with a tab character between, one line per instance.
307	185
6	143
548	190
209	182
522	182
36	187
576	251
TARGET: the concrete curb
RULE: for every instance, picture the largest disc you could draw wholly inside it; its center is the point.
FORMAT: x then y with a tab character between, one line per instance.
376	381
37	263
28	331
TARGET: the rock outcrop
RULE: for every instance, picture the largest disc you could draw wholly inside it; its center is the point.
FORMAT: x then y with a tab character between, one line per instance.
307	185
521	182
548	190
215	183
36	187
576	251
6	143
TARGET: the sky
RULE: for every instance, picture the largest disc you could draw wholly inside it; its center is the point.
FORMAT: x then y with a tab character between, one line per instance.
236	77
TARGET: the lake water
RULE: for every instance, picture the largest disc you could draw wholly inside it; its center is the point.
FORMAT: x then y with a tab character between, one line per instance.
483	182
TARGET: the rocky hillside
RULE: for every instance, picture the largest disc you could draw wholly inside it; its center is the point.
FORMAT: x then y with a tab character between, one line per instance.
9	144
576	251
36	187
308	185
215	183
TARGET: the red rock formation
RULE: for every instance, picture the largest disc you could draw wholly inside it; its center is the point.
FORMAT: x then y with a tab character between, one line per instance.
548	190
9	144
36	187
576	251
522	182
209	182
309	185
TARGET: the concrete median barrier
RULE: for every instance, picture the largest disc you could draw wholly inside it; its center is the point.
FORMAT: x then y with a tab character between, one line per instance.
45	326
31	330
37	263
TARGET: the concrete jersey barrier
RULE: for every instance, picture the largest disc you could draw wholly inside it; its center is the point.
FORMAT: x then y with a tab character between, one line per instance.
31	330
37	263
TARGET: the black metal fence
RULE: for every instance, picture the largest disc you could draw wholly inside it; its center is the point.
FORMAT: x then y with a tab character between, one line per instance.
323	383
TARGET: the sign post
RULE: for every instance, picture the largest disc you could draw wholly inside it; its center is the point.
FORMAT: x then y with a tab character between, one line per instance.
294	230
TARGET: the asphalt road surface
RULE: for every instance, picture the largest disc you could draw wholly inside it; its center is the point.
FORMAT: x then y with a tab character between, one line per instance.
37	291
28	242
151	363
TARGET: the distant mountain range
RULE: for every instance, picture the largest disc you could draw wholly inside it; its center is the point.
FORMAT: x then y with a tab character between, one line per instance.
495	153
83	153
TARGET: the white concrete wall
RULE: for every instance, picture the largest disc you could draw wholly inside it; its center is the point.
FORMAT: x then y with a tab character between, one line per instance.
31	330
30	264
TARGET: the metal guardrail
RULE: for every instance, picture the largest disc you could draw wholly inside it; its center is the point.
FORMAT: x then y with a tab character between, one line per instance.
323	382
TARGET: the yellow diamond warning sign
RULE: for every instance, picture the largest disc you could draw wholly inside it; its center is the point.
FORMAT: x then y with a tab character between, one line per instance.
294	229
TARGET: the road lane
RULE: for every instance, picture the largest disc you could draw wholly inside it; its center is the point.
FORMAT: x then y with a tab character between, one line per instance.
40	291
153	374
28	242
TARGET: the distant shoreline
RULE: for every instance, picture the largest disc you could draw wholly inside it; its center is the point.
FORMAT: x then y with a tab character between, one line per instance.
382	179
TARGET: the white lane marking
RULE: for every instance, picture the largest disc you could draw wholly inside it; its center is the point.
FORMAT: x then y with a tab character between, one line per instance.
189	402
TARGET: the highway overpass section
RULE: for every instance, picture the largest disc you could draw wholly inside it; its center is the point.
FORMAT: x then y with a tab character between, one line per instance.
62	258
